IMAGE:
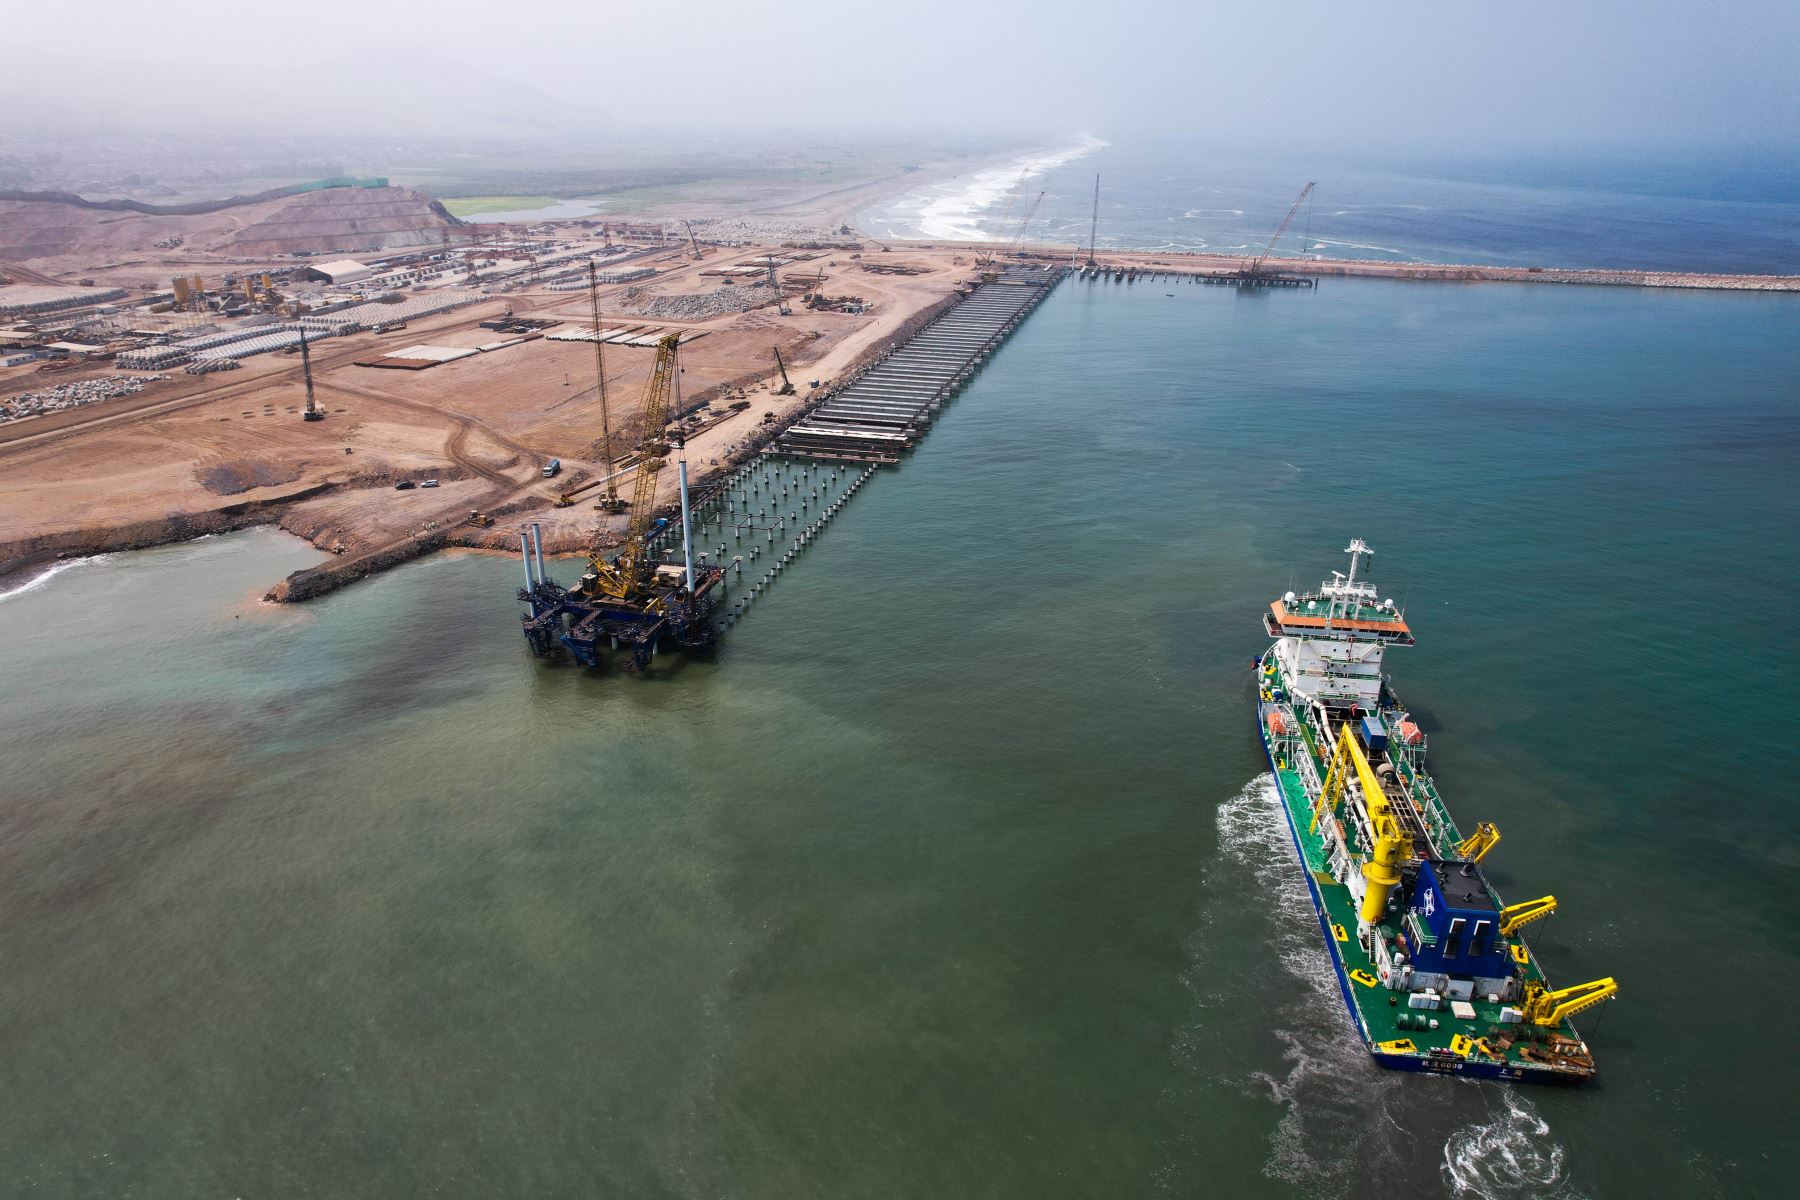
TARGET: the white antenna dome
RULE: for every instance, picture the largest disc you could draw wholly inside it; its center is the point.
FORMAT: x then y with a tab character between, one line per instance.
1289	598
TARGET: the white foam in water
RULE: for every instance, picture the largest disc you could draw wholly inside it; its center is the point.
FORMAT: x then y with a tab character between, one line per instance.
1345	1120
38	581
1510	1156
956	216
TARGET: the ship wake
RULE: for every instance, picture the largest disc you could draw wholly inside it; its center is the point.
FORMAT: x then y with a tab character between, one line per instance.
1510	1155
1345	1121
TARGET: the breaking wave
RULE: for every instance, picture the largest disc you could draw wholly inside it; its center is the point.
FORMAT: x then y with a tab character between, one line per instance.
1323	242
44	577
957	215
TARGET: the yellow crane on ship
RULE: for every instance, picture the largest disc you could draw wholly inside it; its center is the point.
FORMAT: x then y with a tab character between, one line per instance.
1475	847
1392	848
1545	1007
627	574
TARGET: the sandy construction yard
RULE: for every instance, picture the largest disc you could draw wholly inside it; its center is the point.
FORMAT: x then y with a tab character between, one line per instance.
214	451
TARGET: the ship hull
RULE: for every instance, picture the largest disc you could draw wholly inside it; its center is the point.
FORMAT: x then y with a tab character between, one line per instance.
1470	1068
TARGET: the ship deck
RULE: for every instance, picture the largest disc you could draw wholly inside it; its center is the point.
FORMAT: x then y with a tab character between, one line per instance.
1378	1009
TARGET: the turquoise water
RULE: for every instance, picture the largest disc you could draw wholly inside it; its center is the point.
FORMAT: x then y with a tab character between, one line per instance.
956	874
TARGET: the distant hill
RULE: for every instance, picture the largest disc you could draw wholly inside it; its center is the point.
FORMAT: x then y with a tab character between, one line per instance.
50	225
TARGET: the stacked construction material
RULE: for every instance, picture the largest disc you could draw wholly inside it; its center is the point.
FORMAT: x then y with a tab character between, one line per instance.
152	358
363	316
207	366
259	341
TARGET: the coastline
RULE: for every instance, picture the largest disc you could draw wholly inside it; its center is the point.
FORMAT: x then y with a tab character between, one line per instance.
947	215
25	560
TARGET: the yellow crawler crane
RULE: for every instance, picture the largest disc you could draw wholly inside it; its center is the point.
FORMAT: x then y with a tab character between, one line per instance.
1544	1007
1392	845
627	575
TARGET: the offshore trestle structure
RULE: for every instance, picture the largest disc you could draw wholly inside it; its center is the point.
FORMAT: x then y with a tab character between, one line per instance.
627	606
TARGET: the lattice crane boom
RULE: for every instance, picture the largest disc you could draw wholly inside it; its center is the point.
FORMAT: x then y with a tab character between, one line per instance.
611	502
1257	262
1018	236
628	573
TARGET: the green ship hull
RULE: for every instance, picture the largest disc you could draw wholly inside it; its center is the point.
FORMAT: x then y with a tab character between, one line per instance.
1433	968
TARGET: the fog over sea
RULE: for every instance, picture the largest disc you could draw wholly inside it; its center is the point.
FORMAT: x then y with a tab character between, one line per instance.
958	872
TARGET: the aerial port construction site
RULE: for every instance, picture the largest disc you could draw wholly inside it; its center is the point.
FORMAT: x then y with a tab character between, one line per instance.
684	404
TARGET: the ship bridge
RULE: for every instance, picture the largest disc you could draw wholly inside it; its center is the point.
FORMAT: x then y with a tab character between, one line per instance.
1329	642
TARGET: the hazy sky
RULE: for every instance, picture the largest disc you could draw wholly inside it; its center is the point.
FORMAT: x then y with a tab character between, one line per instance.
1463	74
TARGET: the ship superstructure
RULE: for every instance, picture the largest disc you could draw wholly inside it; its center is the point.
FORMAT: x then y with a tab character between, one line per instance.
1433	967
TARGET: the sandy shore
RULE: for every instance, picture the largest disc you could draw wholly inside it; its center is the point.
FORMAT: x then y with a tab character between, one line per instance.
194	455
206	454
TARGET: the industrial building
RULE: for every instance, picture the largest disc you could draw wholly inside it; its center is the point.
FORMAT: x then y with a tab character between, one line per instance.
343	270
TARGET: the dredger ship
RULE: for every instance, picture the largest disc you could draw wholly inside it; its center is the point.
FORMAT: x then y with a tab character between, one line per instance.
1433	966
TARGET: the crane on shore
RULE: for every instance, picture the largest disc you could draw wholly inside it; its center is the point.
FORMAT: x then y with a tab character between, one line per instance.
692	240
609	502
1094	222
985	257
1018	237
1254	266
787	385
313	411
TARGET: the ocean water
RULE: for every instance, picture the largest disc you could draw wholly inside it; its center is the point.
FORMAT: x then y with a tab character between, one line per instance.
1671	213
957	873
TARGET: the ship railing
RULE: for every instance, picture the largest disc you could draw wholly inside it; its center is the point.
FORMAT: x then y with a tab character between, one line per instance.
1303	763
1438	825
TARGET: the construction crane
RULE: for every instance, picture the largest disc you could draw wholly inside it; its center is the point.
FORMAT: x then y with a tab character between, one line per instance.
313	411
985	257
610	501
628	574
781	304
1392	845
1018	237
1094	222
692	240
1254	265
1544	1007
787	385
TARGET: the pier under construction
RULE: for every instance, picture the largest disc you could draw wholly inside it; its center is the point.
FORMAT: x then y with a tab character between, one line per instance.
682	581
888	407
